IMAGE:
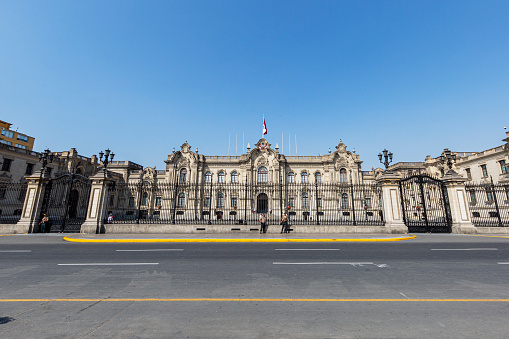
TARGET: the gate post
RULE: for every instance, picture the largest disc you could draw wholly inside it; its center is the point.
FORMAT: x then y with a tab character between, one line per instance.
29	221
458	206
97	202
391	203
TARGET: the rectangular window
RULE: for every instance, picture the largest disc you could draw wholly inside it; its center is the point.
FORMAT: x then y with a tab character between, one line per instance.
234	202
489	194
319	202
206	202
7	133
5	142
291	202
30	169
22	137
503	167
484	171
469	175
20	146
158	202
131	201
6	166
368	202
473	199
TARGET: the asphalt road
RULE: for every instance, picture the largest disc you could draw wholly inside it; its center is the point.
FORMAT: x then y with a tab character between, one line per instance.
435	286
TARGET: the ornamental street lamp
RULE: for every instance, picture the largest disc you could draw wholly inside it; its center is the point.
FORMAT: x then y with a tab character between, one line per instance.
448	158
387	158
45	158
108	157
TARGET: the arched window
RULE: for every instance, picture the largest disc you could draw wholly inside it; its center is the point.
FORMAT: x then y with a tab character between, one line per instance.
318	178
183	176
144	199
304	177
291	178
342	175
182	200
235	177
262	174
220	177
344	200
79	171
208	177
220	200
305	200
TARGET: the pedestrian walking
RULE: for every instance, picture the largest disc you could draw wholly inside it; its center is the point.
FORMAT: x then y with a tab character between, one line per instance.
44	223
284	223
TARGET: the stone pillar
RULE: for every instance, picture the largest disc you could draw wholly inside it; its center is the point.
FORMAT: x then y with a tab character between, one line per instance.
460	211
97	203
29	221
391	200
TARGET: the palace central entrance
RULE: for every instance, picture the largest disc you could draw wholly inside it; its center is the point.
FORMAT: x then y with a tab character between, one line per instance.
262	203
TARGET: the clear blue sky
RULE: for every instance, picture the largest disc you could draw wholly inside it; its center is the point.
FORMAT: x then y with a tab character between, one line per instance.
141	77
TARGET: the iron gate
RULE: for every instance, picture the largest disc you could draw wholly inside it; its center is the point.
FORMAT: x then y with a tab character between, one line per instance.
66	202
425	204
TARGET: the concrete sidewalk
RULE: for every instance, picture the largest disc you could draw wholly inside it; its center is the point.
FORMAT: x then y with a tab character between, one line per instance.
236	237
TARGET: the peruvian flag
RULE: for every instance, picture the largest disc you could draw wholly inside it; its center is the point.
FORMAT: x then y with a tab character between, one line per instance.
264	126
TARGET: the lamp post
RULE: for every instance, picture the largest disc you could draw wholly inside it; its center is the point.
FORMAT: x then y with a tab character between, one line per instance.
45	157
387	156
108	157
448	158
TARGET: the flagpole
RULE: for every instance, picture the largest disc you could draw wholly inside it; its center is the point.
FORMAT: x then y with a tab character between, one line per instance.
228	144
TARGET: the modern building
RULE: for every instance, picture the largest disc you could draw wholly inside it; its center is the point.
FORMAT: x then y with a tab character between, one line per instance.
14	138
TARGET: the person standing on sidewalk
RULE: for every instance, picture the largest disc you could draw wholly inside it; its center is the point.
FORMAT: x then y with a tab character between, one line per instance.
44	223
284	223
262	220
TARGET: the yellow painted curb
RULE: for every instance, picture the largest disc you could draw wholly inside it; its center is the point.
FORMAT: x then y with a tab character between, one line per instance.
250	299
491	236
67	238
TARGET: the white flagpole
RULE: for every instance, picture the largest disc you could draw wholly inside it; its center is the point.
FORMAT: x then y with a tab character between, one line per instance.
235	144
263	126
228	144
243	142
282	144
289	145
295	144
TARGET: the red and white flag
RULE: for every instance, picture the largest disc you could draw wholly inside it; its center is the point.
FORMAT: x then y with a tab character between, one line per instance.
264	126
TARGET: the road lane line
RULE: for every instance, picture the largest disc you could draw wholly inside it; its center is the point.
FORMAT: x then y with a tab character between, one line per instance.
250	300
322	263
153	250
112	264
503	263
306	249
16	251
464	249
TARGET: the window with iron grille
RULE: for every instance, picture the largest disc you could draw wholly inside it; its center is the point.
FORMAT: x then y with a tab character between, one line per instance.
206	202
220	200
344	200
181	200
208	177
342	175
234	202
304	177
318	177
319	202
158	201
144	199
473	198
367	202
220	177
131	201
291	202
489	194
235	177
262	174
305	200
291	178
183	175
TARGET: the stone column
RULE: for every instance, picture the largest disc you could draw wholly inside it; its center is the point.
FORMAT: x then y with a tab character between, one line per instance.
97	203
460	211
391	200
29	221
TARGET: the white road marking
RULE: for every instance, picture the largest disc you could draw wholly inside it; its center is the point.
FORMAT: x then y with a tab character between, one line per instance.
112	264
16	251
153	250
324	263
404	295
307	249
464	249
503	263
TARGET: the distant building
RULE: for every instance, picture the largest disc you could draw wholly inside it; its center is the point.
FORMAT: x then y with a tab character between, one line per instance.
14	138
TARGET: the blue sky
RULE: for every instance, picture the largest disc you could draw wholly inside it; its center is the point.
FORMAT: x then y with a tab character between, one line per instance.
141	77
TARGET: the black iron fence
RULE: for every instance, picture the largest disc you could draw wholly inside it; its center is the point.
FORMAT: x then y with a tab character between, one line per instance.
237	203
12	198
489	204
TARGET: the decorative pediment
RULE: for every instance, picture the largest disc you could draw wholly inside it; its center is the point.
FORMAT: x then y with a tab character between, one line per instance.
185	148
262	145
341	148
149	174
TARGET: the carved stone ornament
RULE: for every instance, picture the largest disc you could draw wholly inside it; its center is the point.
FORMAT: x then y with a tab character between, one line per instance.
148	174
185	148
262	144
